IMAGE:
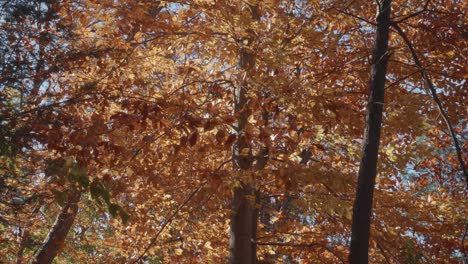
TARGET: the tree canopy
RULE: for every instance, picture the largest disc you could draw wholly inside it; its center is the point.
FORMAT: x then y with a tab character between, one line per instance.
215	131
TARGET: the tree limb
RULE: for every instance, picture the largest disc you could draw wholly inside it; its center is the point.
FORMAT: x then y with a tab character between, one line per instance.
167	222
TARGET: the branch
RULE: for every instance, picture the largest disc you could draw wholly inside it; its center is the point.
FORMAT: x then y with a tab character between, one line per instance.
355	16
414	14
433	91
167	222
222	164
387	260
463	242
401	79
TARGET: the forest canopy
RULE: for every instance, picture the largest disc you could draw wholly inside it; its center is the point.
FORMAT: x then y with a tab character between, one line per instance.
241	132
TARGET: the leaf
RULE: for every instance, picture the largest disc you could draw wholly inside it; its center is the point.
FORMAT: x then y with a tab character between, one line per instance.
60	197
208	245
244	152
220	135
114	209
230	140
78	175
193	137
124	216
99	191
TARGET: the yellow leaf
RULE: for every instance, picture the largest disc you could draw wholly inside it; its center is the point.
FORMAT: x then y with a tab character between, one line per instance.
208	245
244	152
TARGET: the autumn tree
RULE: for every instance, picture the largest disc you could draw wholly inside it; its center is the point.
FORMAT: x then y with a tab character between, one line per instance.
368	166
30	52
366	181
179	122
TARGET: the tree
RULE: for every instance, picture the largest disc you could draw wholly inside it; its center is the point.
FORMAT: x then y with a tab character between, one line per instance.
56	236
362	209
31	52
244	205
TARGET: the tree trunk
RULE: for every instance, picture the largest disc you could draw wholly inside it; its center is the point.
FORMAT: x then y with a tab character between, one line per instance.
24	240
244	226
368	167
56	237
244	216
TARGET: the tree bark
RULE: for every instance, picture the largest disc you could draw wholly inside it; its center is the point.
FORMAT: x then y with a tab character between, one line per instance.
362	209
56	237
244	218
24	239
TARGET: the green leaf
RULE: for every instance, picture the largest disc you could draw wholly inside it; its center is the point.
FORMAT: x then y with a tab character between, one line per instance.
124	215
98	190
114	209
59	197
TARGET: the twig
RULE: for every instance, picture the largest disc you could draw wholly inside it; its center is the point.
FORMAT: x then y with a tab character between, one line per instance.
355	16
402	79
463	251
383	253
414	14
167	222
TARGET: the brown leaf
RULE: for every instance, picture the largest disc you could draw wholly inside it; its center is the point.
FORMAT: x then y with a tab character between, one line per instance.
220	135
193	137
230	140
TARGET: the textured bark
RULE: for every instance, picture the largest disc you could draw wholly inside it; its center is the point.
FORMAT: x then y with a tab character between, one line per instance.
244	215
56	237
24	240
362	210
244	219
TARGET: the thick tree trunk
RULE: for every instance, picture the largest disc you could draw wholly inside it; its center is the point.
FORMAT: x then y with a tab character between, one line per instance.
368	168
56	237
244	216
244	211
244	226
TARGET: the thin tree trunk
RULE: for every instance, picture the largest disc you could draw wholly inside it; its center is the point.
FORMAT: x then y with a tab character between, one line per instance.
56	237
244	216
362	209
24	239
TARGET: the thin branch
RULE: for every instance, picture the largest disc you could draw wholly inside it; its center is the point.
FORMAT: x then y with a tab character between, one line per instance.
355	16
383	253
167	222
414	14
396	82
433	91
222	164
463	242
